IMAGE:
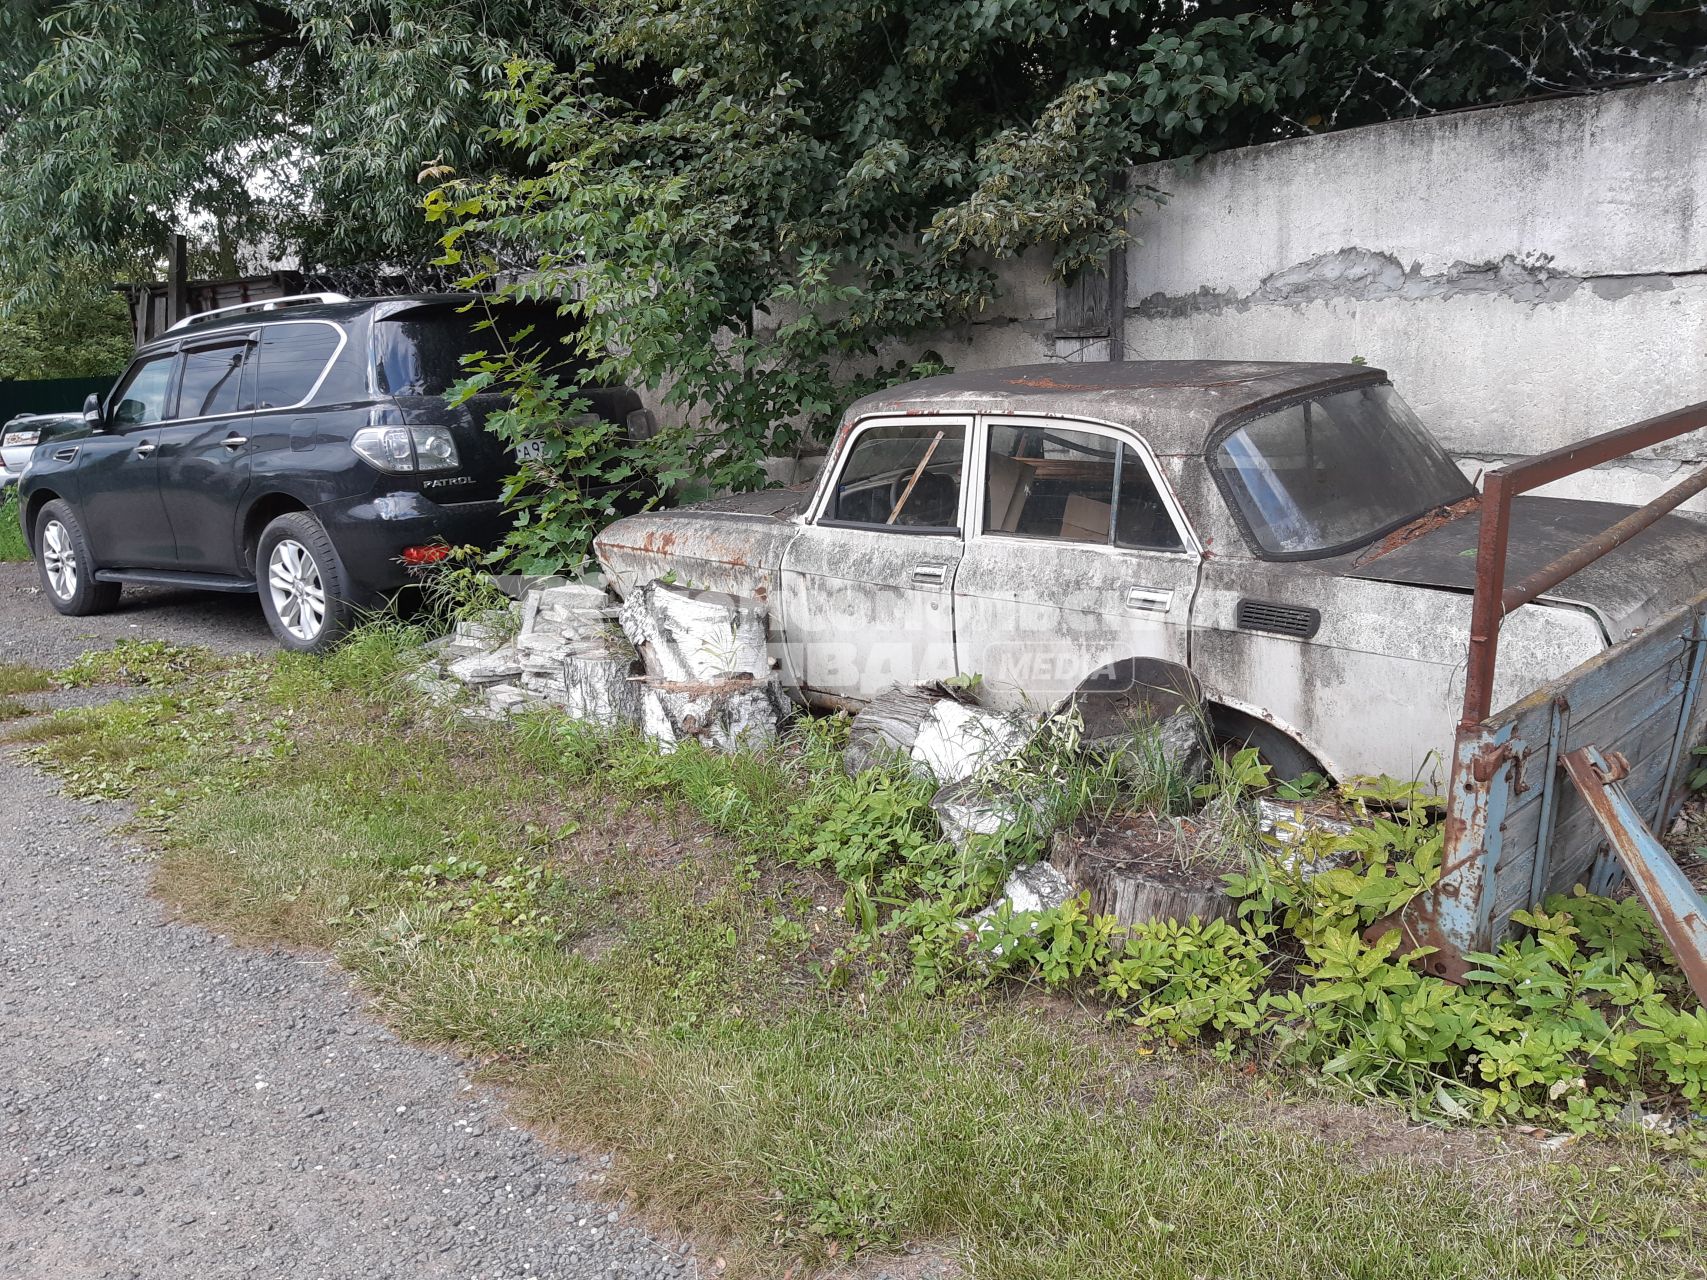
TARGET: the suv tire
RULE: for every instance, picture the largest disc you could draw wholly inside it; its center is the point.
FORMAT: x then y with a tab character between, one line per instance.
304	590
67	569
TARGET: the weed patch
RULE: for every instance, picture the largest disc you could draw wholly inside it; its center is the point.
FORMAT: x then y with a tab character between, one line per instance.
140	662
711	964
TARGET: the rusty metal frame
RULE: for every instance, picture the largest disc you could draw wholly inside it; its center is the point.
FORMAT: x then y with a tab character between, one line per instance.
1493	598
1487	771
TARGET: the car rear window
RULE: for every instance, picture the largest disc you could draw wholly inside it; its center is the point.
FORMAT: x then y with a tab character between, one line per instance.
420	352
290	359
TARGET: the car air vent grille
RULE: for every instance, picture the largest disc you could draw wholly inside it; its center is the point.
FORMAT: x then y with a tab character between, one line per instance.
1282	619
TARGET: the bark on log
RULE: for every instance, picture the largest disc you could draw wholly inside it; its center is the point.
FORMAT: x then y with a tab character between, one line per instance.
686	635
1143	868
725	715
887	726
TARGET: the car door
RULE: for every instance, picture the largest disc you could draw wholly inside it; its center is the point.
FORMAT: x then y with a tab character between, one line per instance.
1080	559
867	584
118	471
203	457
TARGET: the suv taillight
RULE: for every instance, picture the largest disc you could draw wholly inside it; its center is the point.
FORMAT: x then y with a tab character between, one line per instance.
394	447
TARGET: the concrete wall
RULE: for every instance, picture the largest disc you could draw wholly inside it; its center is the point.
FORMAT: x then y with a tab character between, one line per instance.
1529	275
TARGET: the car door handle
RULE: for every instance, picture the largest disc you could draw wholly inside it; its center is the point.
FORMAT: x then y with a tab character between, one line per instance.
144	449
936	573
235	442
1148	600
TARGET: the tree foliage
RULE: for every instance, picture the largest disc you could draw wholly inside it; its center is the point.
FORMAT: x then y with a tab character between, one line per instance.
75	333
294	129
752	203
774	195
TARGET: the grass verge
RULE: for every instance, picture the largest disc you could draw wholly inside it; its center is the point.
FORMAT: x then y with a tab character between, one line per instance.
644	983
12	545
21	677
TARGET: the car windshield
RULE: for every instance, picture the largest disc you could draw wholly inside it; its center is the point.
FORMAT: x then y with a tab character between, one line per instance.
419	352
1335	472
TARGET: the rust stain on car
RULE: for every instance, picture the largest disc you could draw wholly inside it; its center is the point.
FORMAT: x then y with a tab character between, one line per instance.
1051	384
1426	523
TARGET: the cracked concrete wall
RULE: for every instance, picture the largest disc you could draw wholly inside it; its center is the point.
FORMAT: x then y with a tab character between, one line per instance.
1528	274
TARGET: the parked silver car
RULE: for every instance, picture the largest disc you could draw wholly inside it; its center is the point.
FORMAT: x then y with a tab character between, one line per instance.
1286	538
20	436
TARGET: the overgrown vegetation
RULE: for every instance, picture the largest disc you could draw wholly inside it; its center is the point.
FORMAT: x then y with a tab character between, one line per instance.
713	964
73	331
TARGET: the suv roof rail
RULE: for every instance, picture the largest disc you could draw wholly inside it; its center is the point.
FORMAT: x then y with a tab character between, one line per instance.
263	304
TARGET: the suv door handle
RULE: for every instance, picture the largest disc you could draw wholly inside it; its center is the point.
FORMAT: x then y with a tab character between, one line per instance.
144	449
1148	600
235	442
930	573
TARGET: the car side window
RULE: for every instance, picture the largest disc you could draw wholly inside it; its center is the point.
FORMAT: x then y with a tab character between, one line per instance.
212	381
290	360
1073	486
905	477
141	397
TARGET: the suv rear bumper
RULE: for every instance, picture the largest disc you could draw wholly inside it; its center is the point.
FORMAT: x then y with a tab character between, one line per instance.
371	532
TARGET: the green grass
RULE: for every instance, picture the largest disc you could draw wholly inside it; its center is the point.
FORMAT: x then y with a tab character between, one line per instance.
144	662
12	546
532	900
21	677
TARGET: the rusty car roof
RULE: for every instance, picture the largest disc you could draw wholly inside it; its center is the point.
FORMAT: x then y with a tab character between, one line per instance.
1174	403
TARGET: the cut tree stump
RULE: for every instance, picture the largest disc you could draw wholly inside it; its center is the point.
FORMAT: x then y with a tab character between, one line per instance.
1141	867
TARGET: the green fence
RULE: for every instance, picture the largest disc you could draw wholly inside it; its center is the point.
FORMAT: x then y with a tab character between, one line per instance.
48	395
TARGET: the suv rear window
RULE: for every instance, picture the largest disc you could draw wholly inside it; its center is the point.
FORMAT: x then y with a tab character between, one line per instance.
419	352
291	358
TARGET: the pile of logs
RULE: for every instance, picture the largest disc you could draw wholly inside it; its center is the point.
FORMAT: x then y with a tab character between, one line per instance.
675	662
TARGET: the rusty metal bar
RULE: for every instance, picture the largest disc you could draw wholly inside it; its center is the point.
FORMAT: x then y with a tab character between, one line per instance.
1485	614
1556	464
1493	599
1675	905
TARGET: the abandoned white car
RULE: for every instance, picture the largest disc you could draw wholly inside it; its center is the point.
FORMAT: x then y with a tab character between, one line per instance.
1289	534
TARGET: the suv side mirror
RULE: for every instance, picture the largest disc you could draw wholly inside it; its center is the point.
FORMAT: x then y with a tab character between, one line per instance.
92	411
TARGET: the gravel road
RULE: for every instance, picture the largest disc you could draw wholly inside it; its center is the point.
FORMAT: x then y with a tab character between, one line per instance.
30	630
174	1106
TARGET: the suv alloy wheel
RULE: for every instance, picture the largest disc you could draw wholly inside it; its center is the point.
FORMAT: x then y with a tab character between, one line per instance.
303	586
67	569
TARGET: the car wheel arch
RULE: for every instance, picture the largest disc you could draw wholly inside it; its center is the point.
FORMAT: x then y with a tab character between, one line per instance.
1232	719
260	513
1168	686
33	505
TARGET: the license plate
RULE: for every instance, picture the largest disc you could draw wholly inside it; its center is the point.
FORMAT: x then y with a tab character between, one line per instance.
530	451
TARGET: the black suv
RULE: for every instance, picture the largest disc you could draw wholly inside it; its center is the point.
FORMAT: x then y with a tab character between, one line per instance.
300	448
